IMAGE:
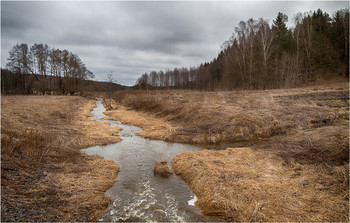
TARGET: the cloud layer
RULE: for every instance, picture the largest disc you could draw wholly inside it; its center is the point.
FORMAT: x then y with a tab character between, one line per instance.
130	38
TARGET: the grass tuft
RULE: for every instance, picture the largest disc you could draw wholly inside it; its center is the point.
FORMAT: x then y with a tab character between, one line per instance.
162	169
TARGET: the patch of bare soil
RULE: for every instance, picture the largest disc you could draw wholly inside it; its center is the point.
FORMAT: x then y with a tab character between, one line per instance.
43	175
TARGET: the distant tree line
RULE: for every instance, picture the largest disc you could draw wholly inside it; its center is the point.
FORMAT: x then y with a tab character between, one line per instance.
40	68
11	83
259	55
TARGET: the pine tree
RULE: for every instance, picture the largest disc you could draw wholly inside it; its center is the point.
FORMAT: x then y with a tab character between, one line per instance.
283	38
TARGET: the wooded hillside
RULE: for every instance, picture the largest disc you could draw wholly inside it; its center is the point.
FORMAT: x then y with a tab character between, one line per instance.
259	55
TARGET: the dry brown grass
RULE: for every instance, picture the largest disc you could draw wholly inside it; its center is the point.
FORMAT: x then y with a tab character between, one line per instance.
245	184
162	169
65	117
321	145
152	127
223	117
44	176
296	165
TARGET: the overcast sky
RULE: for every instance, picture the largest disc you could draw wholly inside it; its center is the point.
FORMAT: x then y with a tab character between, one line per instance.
130	38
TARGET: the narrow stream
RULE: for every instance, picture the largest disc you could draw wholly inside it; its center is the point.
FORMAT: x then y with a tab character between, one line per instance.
138	195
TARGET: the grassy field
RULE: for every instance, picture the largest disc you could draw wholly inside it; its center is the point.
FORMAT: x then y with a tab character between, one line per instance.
44	177
225	117
283	154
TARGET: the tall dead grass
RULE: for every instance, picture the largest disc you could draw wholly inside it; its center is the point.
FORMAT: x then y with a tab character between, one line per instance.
226	117
322	145
43	175
250	185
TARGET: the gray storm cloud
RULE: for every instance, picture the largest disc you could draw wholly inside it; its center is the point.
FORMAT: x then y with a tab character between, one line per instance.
130	38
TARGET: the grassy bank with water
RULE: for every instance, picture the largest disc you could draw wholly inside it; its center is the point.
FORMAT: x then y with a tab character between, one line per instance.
294	166
44	177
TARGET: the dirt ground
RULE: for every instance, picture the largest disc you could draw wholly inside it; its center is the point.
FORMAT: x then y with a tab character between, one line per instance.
44	177
292	162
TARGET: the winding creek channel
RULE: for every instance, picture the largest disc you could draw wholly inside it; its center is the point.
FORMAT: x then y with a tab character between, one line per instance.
138	195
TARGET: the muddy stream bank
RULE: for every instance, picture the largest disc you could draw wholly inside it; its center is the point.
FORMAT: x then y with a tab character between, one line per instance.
138	195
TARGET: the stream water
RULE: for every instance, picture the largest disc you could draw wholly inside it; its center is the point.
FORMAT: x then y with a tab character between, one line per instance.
138	195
